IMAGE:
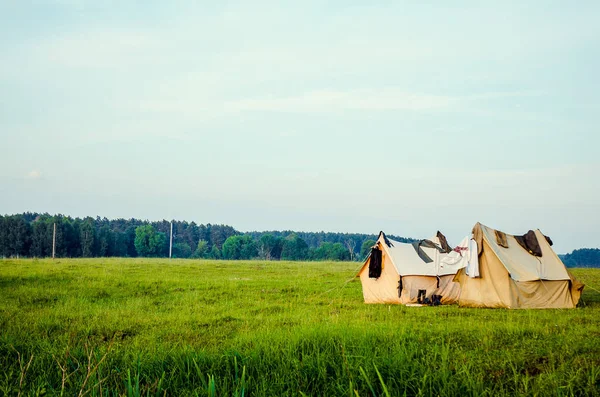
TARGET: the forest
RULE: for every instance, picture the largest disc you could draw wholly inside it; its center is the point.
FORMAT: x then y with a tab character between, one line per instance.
31	234
583	257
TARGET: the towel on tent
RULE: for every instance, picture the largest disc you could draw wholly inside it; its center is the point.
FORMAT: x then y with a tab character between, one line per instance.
501	239
465	254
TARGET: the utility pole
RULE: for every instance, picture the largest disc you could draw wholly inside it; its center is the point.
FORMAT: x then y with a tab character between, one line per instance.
54	242
171	241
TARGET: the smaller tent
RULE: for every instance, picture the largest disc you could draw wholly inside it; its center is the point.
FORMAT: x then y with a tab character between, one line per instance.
517	272
396	272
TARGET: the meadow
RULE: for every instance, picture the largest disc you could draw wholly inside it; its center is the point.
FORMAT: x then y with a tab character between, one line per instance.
154	327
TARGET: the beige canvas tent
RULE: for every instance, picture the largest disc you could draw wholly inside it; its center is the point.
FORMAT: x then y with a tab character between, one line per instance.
394	272
517	272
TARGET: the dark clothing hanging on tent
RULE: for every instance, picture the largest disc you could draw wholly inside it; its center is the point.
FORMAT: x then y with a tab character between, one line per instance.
501	239
375	263
530	243
427	244
400	287
424	257
521	241
443	242
387	242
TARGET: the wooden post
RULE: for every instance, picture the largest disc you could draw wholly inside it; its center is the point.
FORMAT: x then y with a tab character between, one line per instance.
171	241
54	242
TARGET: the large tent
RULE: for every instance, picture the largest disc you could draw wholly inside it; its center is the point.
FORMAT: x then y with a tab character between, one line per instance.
517	272
395	272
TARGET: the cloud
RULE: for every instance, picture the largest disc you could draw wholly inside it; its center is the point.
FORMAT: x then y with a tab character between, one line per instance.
319	101
34	174
109	48
324	100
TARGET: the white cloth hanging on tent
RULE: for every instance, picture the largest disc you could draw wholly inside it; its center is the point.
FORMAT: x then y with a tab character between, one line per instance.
473	255
463	255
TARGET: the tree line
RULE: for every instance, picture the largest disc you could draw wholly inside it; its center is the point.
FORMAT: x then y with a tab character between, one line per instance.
31	235
583	257
328	245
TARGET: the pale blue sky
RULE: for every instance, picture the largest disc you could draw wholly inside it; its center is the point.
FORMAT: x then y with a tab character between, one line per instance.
406	117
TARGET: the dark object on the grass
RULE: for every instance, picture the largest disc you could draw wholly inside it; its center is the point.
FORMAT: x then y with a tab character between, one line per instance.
421	296
436	300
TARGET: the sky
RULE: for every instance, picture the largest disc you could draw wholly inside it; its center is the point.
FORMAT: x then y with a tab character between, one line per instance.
342	116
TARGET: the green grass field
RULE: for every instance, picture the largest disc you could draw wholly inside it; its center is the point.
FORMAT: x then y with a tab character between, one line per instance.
132	327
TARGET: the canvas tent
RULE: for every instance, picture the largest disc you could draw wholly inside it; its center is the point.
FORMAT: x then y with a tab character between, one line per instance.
394	272
517	272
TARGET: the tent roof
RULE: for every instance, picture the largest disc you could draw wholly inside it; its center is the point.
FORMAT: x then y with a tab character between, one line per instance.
408	263
520	264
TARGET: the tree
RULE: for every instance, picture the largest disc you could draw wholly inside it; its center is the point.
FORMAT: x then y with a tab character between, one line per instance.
239	247
339	253
130	234
41	238
201	250
87	232
70	234
181	250
220	233
19	236
148	242
3	237
331	251
187	232
164	228
269	247
294	248
349	243
106	241
121	244
215	253
366	247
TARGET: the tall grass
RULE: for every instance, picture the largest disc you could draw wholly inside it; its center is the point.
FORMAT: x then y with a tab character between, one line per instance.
108	327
